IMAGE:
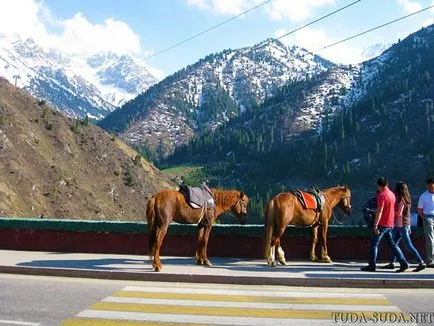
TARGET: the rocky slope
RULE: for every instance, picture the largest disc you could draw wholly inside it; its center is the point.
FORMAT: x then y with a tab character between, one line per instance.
55	166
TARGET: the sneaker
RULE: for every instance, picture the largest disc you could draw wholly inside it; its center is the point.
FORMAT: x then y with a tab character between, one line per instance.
420	267
389	266
430	265
368	269
403	268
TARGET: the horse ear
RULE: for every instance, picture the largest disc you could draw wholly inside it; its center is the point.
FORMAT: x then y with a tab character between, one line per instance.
241	194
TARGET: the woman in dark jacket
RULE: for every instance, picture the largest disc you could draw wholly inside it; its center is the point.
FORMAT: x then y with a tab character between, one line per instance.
402	228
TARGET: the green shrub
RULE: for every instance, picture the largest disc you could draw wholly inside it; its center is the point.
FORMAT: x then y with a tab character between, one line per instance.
137	160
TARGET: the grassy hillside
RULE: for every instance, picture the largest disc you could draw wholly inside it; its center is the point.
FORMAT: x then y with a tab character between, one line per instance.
59	167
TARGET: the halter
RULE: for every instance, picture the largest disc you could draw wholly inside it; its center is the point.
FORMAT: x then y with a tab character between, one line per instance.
335	219
241	203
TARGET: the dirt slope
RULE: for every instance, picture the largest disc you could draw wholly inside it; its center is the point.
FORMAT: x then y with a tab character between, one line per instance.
54	166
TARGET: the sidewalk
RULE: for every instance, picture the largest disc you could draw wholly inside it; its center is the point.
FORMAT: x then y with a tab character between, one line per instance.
224	270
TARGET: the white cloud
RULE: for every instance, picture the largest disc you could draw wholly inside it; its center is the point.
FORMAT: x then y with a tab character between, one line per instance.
223	7
23	17
77	35
314	39
294	10
409	5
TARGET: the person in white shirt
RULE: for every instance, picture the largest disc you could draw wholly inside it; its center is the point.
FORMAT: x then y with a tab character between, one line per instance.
425	209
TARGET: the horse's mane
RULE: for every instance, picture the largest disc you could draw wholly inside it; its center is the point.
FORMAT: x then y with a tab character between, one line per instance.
225	197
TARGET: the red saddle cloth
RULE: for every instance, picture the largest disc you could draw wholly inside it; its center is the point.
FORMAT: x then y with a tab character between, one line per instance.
309	200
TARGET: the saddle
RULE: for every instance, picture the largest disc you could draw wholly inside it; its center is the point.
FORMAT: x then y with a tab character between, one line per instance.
312	199
197	197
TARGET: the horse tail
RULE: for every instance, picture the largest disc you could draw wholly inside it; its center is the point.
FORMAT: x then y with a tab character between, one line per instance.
269	227
152	227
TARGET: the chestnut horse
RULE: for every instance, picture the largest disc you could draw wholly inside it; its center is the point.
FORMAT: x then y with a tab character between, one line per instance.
170	205
285	209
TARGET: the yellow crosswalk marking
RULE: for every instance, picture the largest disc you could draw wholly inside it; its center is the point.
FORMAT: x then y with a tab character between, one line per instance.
217	311
104	322
243	298
240	306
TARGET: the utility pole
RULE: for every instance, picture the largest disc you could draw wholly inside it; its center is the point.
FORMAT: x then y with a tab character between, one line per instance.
16	77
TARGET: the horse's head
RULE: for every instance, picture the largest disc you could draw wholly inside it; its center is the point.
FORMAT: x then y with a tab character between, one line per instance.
240	207
345	202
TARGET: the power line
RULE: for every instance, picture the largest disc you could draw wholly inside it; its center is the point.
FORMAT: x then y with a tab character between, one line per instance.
304	26
317	20
292	32
354	36
345	39
207	30
373	29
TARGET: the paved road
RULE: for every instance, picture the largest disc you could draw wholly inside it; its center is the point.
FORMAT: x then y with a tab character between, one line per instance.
36	300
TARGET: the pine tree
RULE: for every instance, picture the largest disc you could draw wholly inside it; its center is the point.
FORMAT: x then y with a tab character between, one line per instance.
85	121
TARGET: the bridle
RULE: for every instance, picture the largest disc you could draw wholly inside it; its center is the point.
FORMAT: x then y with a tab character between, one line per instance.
347	205
347	209
242	204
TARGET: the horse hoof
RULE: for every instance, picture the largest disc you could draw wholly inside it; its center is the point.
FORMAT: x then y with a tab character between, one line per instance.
314	258
207	264
326	260
199	261
158	268
272	264
282	262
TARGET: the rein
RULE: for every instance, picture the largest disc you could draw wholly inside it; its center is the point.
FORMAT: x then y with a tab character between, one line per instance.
335	219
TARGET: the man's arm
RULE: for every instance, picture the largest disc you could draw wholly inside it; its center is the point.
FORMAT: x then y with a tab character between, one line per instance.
378	214
420	212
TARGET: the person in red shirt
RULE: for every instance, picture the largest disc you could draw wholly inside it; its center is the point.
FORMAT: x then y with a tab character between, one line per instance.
383	226
402	227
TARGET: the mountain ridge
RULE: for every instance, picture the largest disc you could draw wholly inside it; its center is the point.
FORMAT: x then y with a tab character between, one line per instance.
169	113
79	85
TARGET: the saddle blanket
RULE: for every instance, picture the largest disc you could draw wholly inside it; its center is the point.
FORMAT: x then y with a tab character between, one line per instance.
313	200
309	200
198	197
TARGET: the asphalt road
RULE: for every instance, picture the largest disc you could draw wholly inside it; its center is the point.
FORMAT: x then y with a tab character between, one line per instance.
37	300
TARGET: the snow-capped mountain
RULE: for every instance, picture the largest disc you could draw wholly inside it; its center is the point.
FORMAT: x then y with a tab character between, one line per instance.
77	85
374	50
210	92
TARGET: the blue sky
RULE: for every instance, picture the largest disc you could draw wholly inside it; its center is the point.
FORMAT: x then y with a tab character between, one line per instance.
144	27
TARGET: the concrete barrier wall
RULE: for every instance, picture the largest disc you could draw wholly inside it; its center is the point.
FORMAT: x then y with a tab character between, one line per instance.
131	238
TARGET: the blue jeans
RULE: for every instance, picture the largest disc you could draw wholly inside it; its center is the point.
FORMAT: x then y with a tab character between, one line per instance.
375	242
404	234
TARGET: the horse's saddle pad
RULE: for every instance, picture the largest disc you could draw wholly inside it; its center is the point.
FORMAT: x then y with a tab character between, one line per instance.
310	201
198	197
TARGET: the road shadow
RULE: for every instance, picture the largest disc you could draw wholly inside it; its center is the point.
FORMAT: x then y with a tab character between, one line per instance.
103	264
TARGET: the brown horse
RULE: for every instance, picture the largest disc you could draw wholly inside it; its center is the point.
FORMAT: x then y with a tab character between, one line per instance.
170	205
285	209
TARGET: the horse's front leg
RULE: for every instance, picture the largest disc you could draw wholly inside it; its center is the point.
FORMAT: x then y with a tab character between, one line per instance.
199	249
313	256
324	254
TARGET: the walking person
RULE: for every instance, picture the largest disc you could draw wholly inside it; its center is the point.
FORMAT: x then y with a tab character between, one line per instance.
383	226
402	229
425	209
